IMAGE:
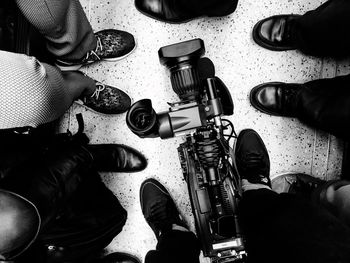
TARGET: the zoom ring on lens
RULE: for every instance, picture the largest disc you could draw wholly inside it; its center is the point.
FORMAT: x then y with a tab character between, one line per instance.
185	82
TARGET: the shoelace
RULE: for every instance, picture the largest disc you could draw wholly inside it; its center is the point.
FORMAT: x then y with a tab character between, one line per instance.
99	88
160	215
252	160
92	53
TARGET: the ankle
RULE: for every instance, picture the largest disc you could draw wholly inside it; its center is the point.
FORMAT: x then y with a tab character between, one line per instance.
179	228
78	83
247	186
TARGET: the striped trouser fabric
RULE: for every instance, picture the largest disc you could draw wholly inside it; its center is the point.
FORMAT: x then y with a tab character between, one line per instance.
64	25
33	93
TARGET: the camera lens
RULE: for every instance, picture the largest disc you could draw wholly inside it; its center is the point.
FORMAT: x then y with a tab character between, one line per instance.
182	60
142	119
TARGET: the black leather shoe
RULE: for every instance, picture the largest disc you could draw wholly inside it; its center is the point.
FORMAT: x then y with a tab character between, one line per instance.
252	159
170	11
118	257
276	98
158	207
117	158
275	32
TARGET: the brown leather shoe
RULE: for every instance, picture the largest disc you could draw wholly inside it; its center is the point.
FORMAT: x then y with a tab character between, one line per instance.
117	158
275	32
275	98
118	257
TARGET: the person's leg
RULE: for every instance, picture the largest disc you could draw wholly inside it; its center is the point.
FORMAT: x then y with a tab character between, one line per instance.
323	103
79	214
283	227
335	197
69	34
175	242
32	93
89	221
276	223
324	31
175	246
63	23
321	32
35	93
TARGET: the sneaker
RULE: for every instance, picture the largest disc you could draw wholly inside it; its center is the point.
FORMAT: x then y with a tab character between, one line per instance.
106	100
112	45
252	159
158	207
296	183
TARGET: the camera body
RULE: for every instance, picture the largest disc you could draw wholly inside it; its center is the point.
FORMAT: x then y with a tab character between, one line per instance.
193	80
205	156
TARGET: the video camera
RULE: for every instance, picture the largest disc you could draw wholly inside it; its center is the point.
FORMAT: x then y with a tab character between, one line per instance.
193	80
205	157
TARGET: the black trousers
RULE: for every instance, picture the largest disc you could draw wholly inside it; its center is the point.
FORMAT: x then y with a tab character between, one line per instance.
206	7
80	215
174	247
325	30
278	227
325	103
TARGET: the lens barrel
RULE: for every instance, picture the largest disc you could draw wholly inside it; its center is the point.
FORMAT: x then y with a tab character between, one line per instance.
182	59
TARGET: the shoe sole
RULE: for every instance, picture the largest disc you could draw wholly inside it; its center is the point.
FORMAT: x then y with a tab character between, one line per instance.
77	67
257	40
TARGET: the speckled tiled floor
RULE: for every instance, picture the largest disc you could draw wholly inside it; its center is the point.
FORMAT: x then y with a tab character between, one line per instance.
240	63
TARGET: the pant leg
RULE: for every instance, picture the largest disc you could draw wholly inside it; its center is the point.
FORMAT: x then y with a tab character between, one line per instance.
174	247
50	178
64	25
91	219
79	214
325	30
335	197
284	228
31	93
325	104
207	7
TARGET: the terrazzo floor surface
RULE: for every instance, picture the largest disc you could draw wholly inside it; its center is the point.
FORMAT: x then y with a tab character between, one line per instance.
240	63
